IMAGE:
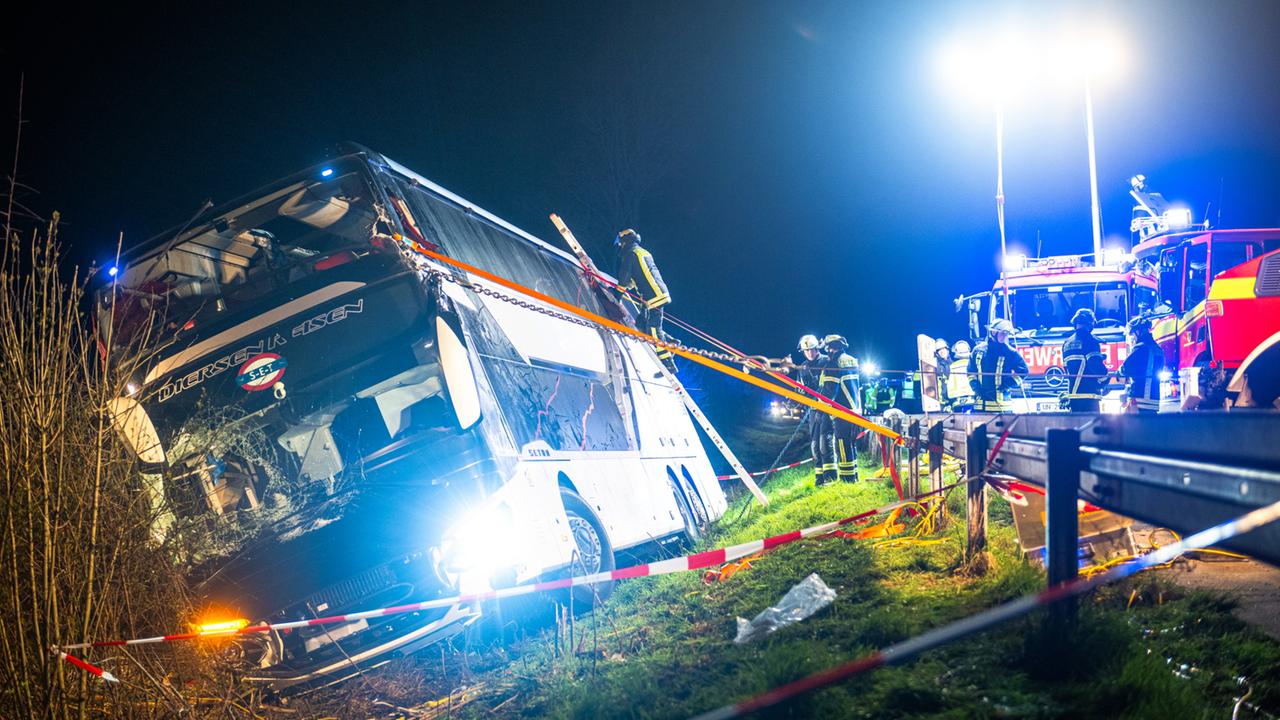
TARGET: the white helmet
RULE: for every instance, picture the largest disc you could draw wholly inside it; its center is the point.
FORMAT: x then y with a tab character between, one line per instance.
960	348
809	342
999	326
940	344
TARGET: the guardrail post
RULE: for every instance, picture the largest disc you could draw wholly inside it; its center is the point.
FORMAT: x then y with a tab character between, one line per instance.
1062	532
913	459
976	517
935	455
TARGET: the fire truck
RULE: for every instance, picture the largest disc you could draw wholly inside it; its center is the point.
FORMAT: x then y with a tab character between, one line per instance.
1218	318
1040	295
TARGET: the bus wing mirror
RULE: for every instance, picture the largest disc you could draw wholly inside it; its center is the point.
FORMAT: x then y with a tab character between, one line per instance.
459	377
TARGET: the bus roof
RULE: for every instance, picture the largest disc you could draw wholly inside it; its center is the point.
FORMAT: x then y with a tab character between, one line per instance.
355	152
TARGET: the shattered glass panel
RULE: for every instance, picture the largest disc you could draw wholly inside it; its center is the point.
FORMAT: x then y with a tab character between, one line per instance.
568	407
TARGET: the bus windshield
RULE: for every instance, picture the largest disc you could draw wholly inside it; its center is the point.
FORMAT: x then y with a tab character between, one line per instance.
1051	307
241	256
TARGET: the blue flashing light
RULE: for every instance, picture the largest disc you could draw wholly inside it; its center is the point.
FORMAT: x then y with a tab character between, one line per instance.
326	172
113	271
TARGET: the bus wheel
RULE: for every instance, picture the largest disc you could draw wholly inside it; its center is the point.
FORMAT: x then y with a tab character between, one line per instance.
692	530
594	552
700	513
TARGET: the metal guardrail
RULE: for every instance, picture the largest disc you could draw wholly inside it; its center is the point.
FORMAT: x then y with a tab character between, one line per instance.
1180	471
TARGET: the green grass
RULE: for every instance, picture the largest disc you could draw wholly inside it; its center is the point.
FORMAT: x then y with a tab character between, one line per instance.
662	647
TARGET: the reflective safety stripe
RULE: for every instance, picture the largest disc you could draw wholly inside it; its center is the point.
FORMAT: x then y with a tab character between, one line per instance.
1083	396
1151	383
1075	386
660	296
1232	288
663	353
658	301
991	405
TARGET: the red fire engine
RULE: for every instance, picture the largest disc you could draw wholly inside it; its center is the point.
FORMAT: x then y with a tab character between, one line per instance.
1218	321
1043	294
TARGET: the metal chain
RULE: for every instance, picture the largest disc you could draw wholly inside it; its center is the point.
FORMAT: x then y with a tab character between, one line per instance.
498	295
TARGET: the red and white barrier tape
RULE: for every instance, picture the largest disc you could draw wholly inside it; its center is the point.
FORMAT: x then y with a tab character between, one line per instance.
697	561
87	667
770	470
907	649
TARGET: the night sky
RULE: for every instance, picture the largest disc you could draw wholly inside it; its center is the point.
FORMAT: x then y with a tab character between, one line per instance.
794	167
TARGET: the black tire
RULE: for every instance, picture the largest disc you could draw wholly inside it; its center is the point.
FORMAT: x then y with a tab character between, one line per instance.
692	530
595	553
700	513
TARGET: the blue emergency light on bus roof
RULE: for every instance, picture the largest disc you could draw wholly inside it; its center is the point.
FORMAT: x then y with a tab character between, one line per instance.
327	172
113	271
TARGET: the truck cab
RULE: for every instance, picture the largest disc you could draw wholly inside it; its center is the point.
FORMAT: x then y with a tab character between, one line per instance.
1042	294
1216	306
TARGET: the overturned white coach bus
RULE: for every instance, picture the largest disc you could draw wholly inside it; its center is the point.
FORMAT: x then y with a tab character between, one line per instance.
443	440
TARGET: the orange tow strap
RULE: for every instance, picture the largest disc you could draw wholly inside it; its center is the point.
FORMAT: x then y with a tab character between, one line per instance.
631	332
728	570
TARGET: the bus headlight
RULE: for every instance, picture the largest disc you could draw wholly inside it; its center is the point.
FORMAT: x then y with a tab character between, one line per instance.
484	551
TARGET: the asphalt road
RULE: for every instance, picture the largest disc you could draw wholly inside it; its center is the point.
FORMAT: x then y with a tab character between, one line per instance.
1255	585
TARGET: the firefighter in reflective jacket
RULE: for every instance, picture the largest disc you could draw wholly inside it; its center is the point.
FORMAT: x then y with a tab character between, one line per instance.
1083	360
942	361
638	273
810	375
839	381
1142	368
995	368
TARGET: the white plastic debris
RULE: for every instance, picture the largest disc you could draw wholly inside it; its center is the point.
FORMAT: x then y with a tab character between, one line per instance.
804	599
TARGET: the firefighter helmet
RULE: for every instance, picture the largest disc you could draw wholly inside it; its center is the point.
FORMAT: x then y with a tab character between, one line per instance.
940	344
1084	316
1140	327
627	237
960	348
1000	326
833	341
808	342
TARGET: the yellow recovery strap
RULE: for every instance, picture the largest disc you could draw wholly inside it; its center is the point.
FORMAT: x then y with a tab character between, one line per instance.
682	352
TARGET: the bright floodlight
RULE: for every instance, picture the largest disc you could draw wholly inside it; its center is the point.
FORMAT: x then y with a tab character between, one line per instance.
870	368
326	172
1087	53
1177	218
1113	255
990	69
1014	262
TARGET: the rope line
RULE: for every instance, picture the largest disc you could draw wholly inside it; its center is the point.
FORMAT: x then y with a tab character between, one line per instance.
587	318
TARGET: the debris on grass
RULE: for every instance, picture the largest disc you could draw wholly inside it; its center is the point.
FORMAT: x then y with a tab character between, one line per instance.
804	599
